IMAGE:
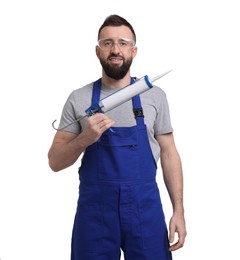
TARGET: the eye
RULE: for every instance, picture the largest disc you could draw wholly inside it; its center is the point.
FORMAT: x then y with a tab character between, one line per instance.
123	43
107	43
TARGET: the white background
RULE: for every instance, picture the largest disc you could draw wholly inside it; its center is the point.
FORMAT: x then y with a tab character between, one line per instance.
47	49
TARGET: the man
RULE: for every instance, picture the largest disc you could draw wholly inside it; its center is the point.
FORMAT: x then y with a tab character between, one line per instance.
119	204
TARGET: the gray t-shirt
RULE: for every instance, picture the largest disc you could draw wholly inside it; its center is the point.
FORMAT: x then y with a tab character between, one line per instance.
155	108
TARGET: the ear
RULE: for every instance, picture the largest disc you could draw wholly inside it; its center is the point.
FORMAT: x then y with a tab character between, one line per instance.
97	50
134	51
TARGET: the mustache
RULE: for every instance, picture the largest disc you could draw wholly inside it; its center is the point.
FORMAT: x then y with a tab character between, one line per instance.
115	56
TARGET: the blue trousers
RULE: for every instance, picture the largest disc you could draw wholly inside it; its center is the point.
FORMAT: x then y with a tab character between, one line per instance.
110	217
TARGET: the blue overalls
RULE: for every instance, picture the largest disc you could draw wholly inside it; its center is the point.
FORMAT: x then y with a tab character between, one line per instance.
119	204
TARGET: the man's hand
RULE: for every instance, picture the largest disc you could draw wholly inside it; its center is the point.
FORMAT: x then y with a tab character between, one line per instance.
177	225
96	125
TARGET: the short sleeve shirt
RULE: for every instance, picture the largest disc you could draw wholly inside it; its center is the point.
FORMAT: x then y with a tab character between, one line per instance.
155	108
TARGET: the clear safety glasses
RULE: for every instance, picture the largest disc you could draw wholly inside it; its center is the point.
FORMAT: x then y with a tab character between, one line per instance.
122	43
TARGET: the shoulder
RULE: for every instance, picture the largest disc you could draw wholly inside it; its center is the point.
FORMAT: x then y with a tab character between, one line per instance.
155	95
157	91
82	91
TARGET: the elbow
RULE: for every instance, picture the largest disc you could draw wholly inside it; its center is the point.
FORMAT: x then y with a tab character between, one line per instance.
57	166
54	167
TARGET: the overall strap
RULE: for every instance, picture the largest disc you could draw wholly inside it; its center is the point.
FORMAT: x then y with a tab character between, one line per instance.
96	91
137	110
137	107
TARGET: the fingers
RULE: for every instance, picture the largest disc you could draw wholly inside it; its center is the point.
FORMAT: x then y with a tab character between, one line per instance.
96	125
178	244
99	123
181	239
171	234
179	228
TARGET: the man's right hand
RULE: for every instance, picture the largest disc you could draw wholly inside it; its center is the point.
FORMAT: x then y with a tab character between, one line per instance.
96	125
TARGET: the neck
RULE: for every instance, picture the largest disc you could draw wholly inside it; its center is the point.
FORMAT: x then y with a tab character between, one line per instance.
113	83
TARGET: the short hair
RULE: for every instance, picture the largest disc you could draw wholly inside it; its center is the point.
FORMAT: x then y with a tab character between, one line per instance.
116	20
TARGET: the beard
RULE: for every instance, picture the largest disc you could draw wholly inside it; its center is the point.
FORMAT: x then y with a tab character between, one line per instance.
116	72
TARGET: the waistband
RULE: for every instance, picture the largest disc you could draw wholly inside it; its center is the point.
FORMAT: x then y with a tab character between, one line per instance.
117	183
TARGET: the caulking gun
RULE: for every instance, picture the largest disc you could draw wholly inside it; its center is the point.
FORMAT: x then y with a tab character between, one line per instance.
117	98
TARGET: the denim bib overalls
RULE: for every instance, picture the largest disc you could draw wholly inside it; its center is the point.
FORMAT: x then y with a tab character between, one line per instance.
119	204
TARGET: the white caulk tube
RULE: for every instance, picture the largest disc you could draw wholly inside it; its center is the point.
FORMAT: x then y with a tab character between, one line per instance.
125	94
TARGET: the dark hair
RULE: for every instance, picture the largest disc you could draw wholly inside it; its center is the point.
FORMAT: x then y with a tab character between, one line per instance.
116	20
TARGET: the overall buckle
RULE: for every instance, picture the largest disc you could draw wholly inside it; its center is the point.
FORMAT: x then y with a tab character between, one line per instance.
138	112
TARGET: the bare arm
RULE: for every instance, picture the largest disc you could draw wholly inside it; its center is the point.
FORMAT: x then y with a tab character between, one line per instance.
173	177
67	147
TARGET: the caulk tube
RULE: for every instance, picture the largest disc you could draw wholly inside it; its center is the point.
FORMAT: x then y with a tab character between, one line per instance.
125	94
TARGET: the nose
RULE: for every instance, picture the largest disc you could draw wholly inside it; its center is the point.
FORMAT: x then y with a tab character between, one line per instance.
115	48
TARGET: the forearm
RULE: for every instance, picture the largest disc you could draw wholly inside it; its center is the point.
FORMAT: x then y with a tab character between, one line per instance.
64	154
67	147
173	177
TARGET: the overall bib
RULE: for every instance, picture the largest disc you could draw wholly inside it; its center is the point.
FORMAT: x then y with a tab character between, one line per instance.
119	204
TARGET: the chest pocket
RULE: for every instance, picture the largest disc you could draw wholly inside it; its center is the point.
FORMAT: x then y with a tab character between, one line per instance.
118	155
